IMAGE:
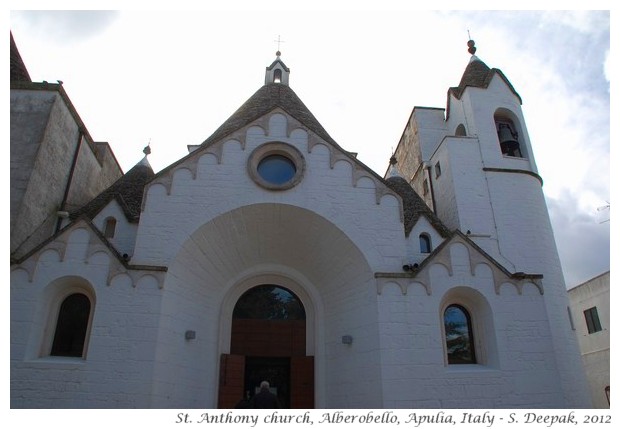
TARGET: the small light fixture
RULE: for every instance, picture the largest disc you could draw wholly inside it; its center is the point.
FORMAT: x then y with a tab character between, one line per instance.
190	335
347	339
410	267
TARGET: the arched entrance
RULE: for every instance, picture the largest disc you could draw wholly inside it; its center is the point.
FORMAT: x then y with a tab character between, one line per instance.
268	342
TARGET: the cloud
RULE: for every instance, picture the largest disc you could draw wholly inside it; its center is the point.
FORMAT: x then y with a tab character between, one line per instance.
67	27
607	67
582	238
588	22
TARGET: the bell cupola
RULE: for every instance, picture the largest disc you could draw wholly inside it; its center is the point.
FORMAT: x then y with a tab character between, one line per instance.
277	72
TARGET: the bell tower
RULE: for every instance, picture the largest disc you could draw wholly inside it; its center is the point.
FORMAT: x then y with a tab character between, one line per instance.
490	187
475	169
473	165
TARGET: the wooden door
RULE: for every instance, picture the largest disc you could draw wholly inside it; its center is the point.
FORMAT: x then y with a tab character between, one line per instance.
232	376
302	382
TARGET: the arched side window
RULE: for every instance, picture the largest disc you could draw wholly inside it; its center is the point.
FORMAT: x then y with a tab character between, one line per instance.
425	243
110	228
459	335
460	131
72	326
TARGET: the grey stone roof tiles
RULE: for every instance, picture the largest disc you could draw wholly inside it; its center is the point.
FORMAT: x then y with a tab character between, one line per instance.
127	191
267	98
477	74
414	206
18	68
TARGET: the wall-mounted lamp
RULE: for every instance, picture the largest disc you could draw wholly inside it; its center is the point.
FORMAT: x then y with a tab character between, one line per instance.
347	339
190	335
410	267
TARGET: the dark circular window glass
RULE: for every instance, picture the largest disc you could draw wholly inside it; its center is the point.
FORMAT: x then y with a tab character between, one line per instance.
276	169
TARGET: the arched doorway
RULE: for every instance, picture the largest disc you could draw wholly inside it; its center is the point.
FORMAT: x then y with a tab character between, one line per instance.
268	342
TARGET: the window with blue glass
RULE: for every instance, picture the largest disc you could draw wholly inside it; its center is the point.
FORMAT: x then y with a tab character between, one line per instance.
276	166
459	335
425	243
276	169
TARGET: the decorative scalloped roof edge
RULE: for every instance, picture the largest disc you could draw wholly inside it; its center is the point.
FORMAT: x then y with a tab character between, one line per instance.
86	222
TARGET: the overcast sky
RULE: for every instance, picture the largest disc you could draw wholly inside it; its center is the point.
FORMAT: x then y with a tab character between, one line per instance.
171	78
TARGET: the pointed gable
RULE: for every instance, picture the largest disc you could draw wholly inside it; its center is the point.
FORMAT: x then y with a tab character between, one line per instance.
271	99
127	191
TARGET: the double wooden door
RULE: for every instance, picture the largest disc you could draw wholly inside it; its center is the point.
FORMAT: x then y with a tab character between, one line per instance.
298	390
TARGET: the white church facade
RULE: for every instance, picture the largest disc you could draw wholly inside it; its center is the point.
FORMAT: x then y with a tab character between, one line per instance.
270	252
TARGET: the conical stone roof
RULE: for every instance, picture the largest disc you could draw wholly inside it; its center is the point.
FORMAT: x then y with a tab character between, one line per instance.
414	206
18	68
478	75
267	98
128	191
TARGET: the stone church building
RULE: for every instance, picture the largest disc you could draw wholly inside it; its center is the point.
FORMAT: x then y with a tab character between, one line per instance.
270	252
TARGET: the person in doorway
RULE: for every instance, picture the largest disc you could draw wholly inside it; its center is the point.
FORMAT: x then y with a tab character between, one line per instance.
264	398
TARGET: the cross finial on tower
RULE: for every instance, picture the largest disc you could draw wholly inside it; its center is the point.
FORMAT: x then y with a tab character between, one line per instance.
278	53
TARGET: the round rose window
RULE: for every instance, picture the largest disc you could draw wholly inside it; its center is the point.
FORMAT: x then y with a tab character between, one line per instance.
276	166
276	169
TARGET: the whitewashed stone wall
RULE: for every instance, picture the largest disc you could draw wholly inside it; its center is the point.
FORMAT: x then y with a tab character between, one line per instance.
215	184
327	234
422	226
118	368
511	333
595	347
125	233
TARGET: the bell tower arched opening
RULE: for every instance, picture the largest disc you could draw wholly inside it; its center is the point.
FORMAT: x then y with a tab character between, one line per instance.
509	134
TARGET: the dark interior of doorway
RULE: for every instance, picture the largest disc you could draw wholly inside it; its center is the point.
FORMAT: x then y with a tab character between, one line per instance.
275	370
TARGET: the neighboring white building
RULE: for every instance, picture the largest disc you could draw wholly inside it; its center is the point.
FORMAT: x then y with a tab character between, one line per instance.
589	303
270	252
